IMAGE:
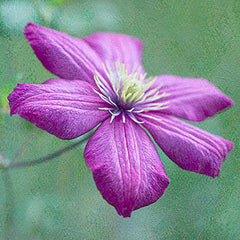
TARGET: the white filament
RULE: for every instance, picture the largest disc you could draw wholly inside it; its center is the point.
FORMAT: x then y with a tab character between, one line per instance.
128	93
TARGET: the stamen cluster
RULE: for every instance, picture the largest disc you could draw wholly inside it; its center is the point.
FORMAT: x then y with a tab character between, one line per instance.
128	93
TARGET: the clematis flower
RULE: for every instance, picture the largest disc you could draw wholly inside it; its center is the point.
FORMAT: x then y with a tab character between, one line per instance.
102	83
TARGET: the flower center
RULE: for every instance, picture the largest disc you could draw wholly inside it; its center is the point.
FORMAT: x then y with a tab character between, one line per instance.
128	93
129	88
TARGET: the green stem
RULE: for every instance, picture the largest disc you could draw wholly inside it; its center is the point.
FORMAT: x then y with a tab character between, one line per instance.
44	159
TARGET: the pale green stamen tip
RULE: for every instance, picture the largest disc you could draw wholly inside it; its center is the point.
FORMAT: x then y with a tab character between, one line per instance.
129	93
129	87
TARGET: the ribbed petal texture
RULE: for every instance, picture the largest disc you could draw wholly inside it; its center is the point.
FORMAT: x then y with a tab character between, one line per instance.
189	147
193	99
125	165
61	107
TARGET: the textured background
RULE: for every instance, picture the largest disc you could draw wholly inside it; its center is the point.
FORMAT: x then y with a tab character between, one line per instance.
59	200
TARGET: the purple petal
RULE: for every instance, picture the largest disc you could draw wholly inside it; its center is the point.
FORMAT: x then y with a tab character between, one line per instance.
112	47
73	58
189	147
125	165
66	109
63	55
191	98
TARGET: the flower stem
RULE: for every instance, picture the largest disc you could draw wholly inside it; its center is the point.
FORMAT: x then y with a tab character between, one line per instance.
47	157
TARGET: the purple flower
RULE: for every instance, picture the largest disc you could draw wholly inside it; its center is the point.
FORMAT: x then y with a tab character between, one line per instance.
102	81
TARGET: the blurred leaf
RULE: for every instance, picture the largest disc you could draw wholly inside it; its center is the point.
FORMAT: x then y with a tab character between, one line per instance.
5	90
54	3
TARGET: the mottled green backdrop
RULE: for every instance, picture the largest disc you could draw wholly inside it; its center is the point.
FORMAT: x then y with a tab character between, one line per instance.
59	199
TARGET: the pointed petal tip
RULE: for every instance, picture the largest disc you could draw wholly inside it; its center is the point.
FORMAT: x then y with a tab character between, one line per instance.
192	99
29	27
125	213
30	24
229	102
61	108
189	147
11	98
230	145
128	212
128	173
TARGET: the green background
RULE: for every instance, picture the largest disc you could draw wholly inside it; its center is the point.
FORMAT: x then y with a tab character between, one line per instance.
59	199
